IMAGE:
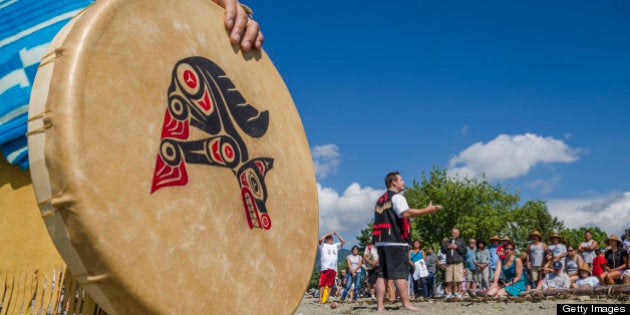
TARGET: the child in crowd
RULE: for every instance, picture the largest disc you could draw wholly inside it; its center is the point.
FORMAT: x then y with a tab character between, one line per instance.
585	280
598	262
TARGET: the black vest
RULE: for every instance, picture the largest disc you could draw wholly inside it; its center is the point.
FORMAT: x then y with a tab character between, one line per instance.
388	227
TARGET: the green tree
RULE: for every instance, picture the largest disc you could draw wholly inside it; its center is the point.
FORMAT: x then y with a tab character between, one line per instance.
365	236
314	283
532	216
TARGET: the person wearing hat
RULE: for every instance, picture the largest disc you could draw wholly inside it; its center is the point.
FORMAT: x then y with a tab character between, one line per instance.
494	257
585	280
559	250
555	280
536	251
616	261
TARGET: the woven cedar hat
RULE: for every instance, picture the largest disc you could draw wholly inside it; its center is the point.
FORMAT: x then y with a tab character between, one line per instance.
535	233
555	235
613	237
585	267
495	238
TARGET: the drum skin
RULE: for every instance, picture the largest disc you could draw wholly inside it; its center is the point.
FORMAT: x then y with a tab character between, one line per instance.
172	169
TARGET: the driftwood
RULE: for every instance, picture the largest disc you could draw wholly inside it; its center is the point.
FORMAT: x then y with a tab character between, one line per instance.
607	290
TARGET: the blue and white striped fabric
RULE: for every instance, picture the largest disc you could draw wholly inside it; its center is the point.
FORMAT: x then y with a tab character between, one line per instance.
26	29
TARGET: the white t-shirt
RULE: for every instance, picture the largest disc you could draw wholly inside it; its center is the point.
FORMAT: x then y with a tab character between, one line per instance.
329	258
400	204
354	261
371	251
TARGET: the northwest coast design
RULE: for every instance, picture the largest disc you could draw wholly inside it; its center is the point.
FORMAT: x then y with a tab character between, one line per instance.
202	96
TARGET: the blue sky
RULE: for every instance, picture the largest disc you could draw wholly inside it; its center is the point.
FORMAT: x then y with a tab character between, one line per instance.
534	94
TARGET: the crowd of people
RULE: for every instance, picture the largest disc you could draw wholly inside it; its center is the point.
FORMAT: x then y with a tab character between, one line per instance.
474	269
393	266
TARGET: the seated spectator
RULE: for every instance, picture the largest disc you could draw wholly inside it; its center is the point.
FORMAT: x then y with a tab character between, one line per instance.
585	280
598	262
616	261
572	263
513	280
547	265
555	280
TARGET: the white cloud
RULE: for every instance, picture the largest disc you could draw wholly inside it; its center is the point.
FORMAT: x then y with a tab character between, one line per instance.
510	156
611	213
349	213
325	160
542	185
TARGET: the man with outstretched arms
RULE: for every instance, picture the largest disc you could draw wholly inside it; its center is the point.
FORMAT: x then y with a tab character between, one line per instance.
391	234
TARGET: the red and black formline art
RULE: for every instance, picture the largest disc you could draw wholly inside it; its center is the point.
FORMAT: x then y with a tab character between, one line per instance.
202	96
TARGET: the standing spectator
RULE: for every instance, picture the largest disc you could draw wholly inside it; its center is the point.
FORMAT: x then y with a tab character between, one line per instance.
585	280
598	263
504	241
391	234
587	248
442	267
354	261
556	279
528	275
470	264
511	267
626	241
431	261
328	263
370	257
415	255
572	263
482	261
558	249
455	250
535	257
494	257
616	261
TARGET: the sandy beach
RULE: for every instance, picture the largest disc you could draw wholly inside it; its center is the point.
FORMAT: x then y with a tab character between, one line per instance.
460	306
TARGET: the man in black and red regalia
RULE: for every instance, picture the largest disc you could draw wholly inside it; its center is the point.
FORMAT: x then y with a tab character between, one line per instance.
391	234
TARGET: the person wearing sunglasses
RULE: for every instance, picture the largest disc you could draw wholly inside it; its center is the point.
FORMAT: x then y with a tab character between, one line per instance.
513	282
